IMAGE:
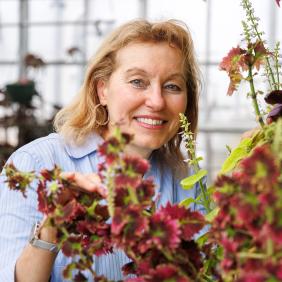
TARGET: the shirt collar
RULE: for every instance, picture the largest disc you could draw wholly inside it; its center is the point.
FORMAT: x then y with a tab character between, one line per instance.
90	145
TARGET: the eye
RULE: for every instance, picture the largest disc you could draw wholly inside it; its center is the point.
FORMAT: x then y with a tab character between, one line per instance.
138	83
172	87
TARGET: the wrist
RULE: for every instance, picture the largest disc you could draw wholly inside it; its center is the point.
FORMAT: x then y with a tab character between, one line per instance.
43	237
48	234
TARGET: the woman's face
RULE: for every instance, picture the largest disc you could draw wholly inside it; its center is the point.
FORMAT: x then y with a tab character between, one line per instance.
145	94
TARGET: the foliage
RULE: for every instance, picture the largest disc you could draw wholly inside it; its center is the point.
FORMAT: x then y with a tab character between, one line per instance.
248	225
244	242
160	243
193	161
248	193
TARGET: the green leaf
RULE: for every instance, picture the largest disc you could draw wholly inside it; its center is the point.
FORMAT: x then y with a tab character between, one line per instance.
190	181
186	202
212	214
236	155
202	239
198	159
277	140
211	190
229	149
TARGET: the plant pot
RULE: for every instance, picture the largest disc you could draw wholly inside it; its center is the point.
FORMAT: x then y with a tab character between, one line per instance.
21	92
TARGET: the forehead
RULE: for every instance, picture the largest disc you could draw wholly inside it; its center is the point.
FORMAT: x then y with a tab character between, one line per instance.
160	54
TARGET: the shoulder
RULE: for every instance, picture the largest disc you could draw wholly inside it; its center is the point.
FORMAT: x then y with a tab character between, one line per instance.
53	149
38	153
50	142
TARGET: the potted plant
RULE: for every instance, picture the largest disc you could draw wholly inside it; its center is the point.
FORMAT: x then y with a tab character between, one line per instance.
23	90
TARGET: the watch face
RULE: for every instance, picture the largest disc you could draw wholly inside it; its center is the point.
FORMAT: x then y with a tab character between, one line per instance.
34	233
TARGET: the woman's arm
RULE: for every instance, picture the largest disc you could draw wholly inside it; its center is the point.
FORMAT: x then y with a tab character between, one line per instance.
19	261
35	264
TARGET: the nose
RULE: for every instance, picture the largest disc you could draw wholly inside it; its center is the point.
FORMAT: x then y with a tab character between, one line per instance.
155	99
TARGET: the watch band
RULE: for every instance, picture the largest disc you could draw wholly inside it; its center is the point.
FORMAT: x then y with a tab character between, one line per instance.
41	244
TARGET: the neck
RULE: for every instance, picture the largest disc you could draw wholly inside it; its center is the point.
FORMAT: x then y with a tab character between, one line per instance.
132	150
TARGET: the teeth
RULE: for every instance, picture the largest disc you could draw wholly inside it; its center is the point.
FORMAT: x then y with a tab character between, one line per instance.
150	121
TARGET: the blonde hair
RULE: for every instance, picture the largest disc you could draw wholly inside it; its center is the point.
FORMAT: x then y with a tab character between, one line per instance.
79	119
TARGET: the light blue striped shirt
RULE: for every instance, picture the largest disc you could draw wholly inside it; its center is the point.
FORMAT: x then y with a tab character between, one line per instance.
18	214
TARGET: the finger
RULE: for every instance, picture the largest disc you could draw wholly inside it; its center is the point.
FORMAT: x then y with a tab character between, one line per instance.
94	178
93	183
86	183
249	133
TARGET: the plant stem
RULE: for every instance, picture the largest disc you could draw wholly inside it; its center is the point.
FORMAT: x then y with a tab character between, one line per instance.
258	34
110	186
254	98
206	201
277	64
251	255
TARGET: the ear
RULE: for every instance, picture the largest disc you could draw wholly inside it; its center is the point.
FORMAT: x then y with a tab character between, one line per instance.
102	92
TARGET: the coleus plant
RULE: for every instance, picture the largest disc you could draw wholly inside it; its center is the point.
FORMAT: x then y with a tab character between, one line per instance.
248	226
244	242
160	242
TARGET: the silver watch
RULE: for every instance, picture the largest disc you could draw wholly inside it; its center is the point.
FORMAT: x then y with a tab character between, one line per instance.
38	243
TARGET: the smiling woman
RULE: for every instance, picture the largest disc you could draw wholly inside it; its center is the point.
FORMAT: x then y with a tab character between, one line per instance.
142	77
145	94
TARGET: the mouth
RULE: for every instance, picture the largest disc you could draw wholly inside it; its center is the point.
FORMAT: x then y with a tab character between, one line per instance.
150	121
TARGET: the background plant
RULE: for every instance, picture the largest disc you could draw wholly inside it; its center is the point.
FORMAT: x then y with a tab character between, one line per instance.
248	191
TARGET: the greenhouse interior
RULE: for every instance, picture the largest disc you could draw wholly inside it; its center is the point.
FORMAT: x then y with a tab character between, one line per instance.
46	48
65	34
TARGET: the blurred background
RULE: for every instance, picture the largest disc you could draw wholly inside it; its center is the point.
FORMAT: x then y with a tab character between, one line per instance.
45	46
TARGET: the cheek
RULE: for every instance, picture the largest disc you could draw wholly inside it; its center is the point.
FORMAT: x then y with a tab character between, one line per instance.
179	106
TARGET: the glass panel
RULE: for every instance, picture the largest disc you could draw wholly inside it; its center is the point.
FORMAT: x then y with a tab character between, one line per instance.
125	10
278	25
9	73
223	109
59	84
55	10
93	43
9	43
193	13
53	42
226	25
9	11
108	9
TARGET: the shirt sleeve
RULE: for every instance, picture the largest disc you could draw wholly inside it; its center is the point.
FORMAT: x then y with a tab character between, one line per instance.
17	215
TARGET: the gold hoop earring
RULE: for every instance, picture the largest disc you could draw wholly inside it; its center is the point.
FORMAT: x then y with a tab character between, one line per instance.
101	111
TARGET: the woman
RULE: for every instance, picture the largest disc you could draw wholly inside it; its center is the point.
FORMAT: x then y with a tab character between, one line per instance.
141	78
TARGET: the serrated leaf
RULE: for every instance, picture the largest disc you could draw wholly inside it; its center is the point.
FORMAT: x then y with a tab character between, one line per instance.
202	239
236	155
187	202
277	140
188	182
212	214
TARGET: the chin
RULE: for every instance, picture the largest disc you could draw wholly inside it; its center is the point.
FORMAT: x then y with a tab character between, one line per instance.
150	146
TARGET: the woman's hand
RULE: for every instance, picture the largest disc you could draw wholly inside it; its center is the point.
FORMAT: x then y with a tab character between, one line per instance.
250	133
88	183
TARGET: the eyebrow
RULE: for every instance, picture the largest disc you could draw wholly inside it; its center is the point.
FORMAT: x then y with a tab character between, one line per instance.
129	71
138	70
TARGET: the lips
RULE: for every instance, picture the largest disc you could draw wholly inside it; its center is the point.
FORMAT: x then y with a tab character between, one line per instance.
153	121
150	121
